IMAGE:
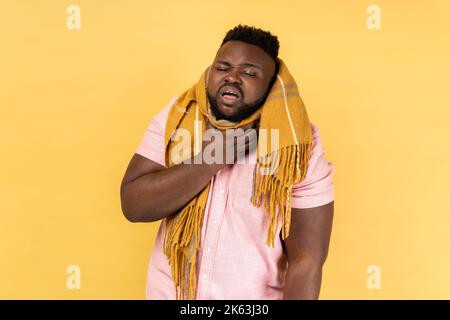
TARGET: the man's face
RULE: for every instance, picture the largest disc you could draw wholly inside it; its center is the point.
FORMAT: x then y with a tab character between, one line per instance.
239	80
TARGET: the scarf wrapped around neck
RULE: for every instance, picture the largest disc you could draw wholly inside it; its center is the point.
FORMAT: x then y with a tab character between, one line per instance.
283	110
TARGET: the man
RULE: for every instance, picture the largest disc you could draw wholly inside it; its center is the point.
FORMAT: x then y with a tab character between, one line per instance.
230	230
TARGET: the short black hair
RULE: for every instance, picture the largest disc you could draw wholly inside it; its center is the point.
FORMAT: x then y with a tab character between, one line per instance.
251	35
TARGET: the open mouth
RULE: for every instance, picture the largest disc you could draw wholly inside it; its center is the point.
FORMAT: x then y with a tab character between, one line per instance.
229	95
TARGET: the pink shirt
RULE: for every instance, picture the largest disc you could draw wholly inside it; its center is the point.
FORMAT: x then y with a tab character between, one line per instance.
234	261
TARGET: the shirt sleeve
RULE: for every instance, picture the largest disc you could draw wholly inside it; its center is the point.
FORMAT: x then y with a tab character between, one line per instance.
152	143
317	188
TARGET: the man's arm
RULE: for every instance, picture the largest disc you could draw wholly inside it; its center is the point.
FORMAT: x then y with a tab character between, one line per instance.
307	249
150	191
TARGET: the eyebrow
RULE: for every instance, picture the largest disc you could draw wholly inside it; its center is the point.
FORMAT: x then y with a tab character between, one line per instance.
242	64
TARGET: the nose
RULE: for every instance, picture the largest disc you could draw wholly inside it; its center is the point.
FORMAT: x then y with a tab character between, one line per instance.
233	76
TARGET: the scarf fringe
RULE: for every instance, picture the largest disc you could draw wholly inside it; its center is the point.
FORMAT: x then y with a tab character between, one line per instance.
181	230
275	189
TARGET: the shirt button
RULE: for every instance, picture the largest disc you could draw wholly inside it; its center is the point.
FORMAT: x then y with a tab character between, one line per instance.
209	249
205	276
214	221
221	191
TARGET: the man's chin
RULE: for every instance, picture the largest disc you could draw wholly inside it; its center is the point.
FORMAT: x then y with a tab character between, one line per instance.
226	111
223	111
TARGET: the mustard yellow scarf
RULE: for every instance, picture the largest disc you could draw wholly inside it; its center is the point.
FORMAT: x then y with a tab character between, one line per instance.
283	110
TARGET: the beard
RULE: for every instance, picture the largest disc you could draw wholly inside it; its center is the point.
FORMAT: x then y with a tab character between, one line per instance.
246	110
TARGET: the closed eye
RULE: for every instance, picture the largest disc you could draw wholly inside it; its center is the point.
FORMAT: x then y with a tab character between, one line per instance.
247	73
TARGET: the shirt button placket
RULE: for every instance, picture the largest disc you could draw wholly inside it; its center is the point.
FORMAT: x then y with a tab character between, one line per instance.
217	208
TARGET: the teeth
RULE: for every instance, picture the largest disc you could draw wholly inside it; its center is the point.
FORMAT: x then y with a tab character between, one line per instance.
231	92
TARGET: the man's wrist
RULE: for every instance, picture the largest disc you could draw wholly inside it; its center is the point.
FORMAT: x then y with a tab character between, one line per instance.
211	167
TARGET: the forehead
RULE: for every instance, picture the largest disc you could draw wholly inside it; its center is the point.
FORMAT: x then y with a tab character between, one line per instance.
238	52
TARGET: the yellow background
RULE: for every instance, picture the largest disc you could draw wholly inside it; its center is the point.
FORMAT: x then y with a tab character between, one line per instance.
75	104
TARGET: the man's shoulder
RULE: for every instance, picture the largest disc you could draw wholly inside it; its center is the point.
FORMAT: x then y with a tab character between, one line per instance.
317	139
315	130
161	116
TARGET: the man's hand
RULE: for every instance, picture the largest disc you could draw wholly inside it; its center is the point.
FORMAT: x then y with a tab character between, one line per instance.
234	144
